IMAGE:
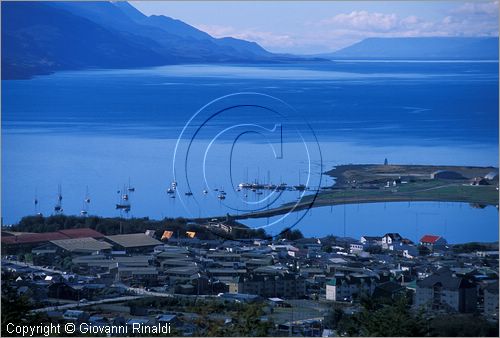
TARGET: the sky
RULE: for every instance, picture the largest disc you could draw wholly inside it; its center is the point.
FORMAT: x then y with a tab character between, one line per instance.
310	27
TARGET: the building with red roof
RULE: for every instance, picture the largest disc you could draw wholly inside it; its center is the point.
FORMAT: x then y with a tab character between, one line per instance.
10	243
433	241
81	232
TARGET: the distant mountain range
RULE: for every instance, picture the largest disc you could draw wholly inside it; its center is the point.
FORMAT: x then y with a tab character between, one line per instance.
429	48
43	37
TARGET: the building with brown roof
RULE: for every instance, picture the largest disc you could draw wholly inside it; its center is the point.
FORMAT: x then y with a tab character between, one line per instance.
139	242
25	241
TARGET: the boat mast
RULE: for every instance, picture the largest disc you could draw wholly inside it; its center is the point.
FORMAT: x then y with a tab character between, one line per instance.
58	207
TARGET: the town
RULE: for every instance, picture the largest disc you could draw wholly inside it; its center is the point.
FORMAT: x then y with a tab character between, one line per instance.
201	283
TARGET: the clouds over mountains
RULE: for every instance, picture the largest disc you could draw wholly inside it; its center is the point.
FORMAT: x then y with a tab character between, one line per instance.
468	19
347	27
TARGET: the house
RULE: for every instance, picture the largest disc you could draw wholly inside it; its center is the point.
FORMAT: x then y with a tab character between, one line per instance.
181	274
409	251
492	176
390	240
479	181
224	256
286	285
76	315
28	241
62	290
491	300
348	287
433	242
356	247
135	323
168	318
145	275
488	254
85	245
371	241
444	290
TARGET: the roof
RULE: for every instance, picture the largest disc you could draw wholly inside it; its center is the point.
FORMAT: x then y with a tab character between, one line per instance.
372	238
393	235
430	239
73	313
133	240
491	175
447	174
132	321
166	317
29	238
33	238
185	270
332	282
445	277
390	287
81	244
81	232
139	270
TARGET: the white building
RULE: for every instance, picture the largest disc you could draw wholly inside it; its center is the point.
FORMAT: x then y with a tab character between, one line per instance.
389	240
345	288
356	247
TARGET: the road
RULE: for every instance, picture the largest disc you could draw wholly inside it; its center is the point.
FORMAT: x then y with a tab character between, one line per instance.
88	303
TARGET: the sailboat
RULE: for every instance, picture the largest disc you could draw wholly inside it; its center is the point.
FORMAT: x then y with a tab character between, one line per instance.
35	201
130	188
86	202
87	197
58	207
173	187
123	202
300	186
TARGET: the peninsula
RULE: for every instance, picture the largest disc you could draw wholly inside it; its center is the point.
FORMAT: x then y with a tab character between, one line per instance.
374	183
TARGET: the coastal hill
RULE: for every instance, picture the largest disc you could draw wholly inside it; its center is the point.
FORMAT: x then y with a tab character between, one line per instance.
43	37
429	48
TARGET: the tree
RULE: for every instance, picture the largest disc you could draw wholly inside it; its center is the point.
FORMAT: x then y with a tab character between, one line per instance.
392	319
291	235
463	326
16	309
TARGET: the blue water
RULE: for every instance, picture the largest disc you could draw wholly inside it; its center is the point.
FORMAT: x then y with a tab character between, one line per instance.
457	222
99	128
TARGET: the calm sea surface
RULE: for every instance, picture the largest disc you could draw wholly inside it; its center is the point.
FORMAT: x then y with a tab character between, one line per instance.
98	130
